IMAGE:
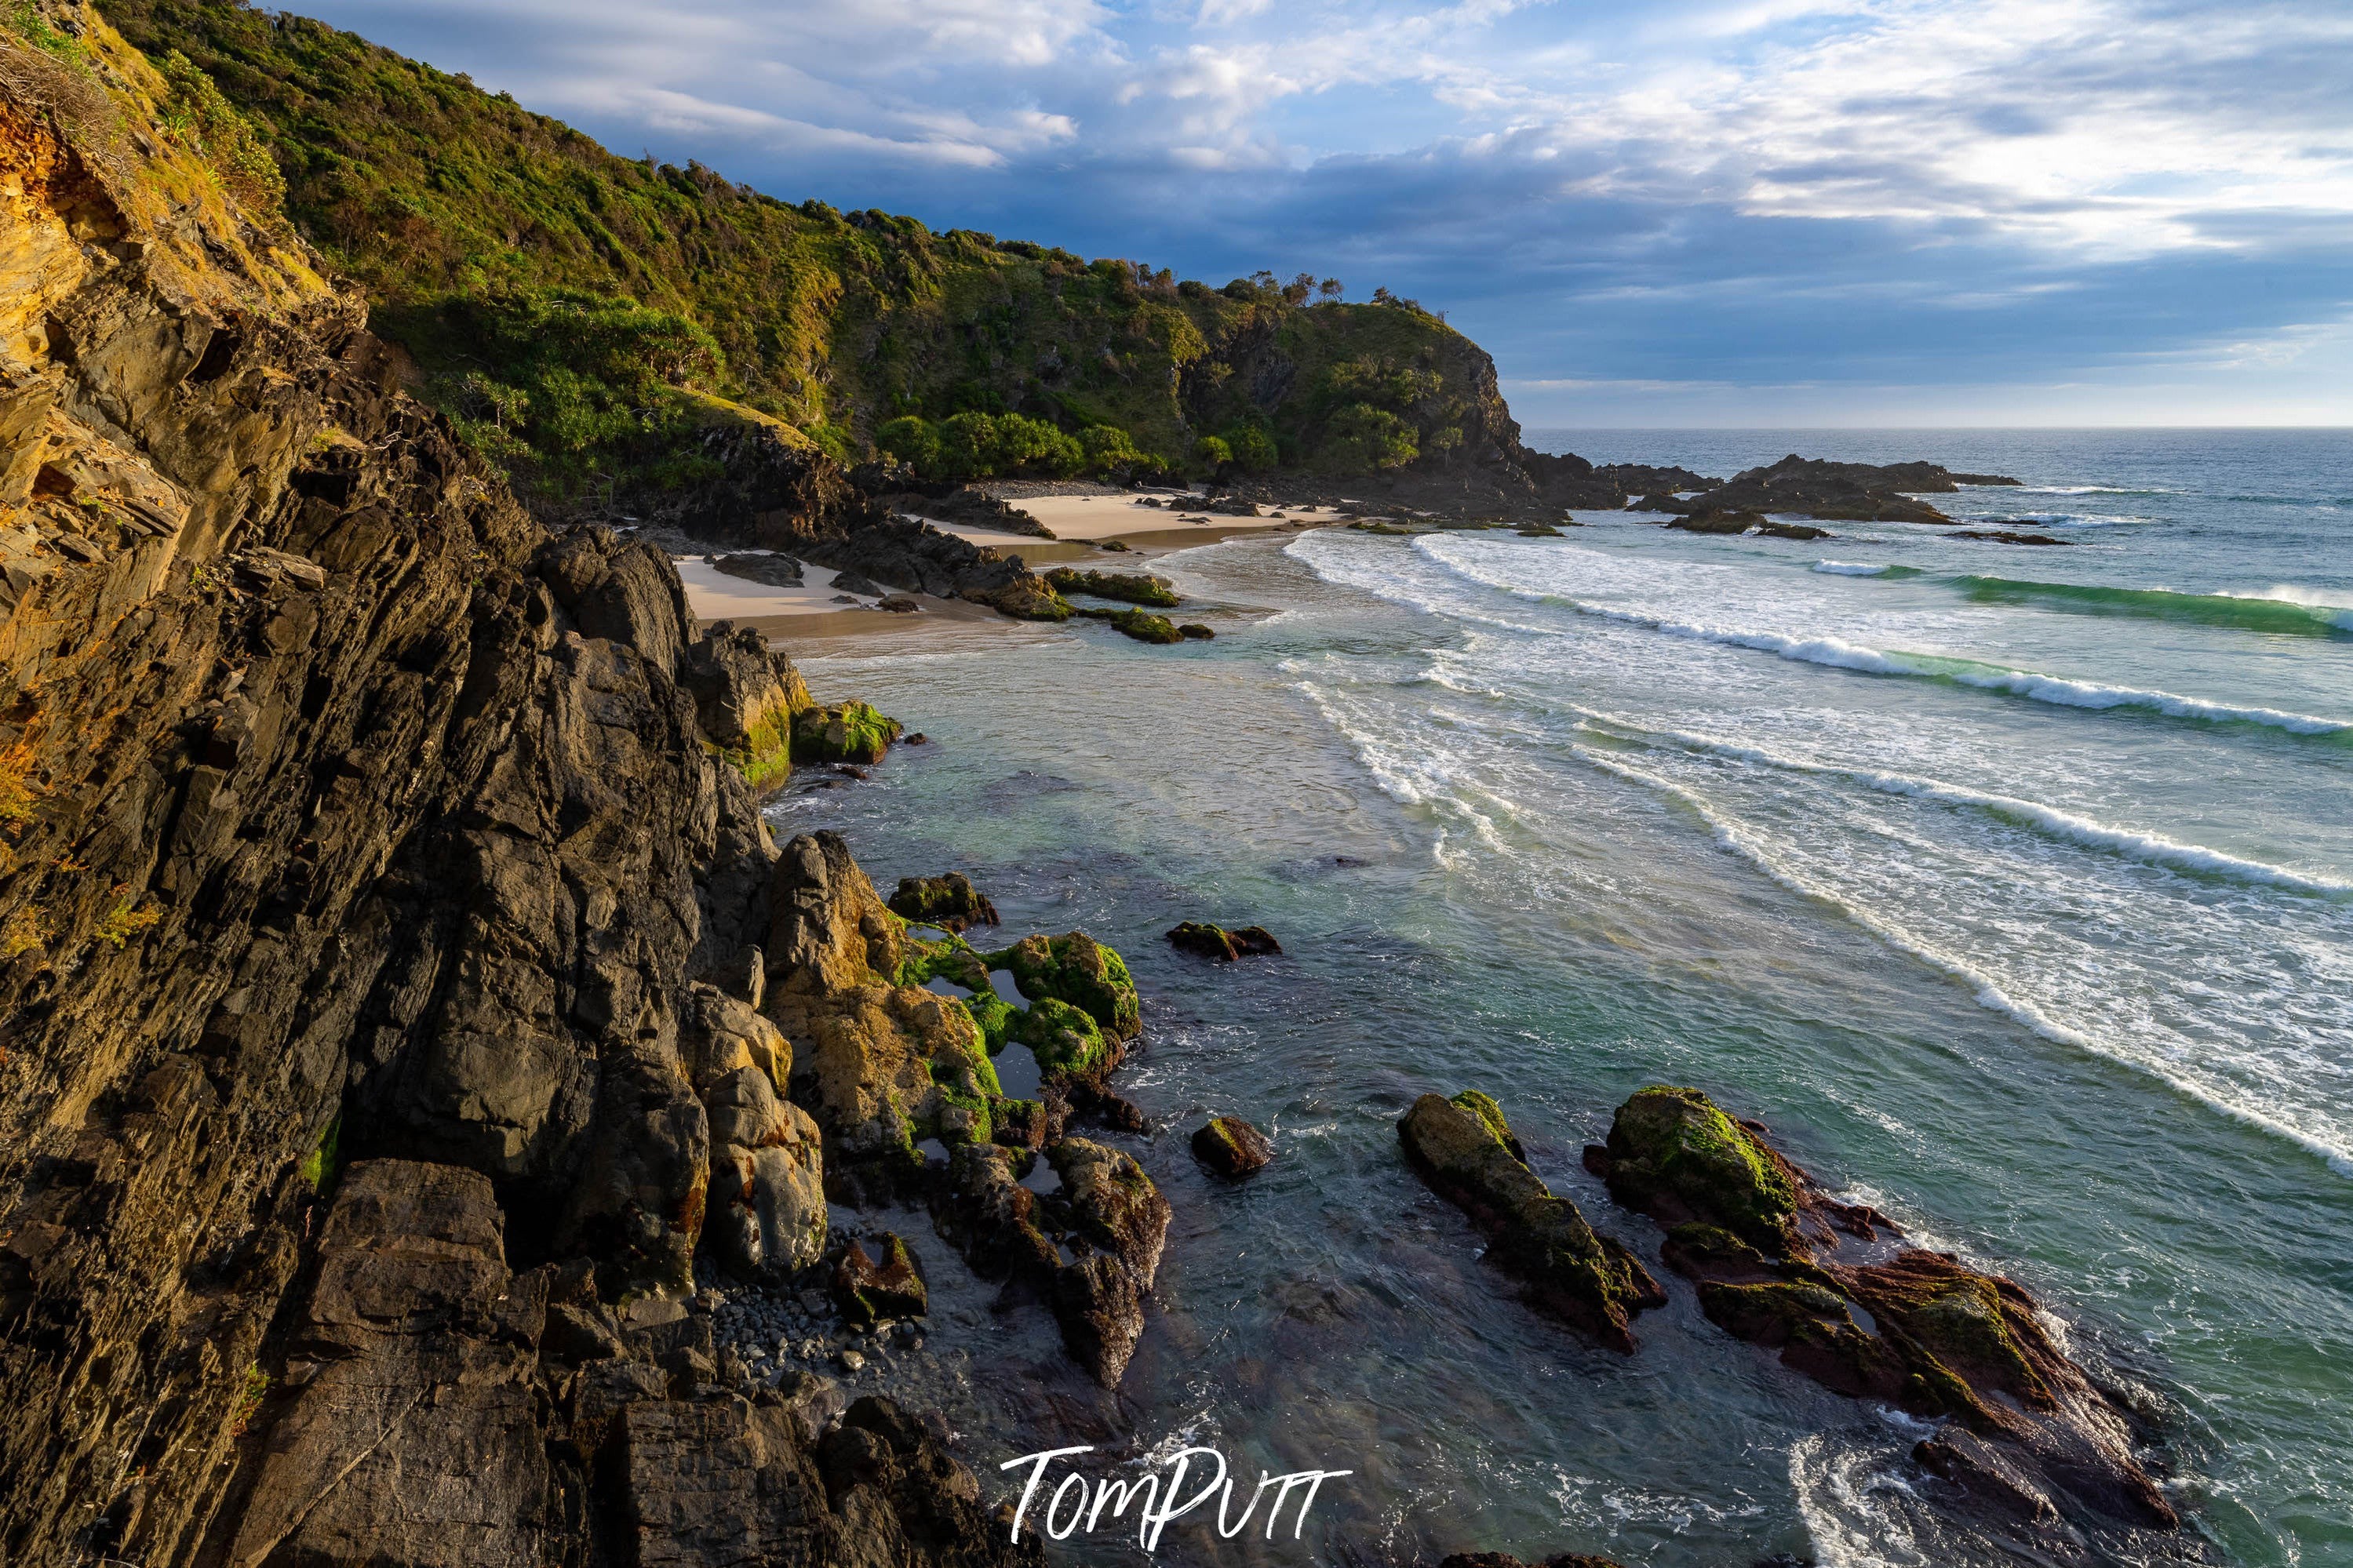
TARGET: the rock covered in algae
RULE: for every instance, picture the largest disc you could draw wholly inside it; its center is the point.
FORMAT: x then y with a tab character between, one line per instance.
1781	1264
1467	1152
1133	587
1231	1147
949	903
1205	941
844	733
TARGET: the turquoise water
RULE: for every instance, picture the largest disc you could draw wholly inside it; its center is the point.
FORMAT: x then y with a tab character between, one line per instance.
2012	887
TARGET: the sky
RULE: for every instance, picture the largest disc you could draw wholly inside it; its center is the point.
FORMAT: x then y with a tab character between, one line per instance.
1744	213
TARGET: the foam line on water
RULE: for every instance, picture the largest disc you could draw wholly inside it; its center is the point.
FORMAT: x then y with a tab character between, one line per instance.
1837	653
1989	995
2151	849
1853	568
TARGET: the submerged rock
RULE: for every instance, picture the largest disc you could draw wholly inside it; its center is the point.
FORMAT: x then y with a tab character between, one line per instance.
1466	1149
1781	1264
1195	631
949	903
1772	530
1504	1560
1146	628
1205	941
1231	1147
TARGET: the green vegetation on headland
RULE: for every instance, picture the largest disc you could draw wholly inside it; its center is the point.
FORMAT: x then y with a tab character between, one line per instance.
586	318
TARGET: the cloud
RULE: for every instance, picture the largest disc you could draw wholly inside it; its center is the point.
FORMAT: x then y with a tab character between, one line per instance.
1688	194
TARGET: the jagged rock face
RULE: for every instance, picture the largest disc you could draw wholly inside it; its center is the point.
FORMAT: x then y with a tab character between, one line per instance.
341	806
747	698
1108	1213
1466	1149
1781	1264
879	1064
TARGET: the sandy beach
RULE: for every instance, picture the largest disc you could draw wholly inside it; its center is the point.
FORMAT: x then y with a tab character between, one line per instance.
1083	524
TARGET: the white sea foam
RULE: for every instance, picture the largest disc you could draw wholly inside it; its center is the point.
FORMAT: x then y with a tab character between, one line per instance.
1840	654
1850	568
2153	848
1988	994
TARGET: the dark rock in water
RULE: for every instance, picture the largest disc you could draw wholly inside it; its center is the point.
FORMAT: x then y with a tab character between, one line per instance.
1115	545
950	902
1132	587
1145	626
1642	479
1854	492
1781	1264
2008	536
917	738
1077	970
898	604
1466	1149
1195	631
1231	1147
1712	521
1792	530
1113	1218
1662	501
1205	941
870	1292
775	570
844	733
853	583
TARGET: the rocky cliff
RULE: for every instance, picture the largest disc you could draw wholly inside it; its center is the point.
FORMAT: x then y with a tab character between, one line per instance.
380	945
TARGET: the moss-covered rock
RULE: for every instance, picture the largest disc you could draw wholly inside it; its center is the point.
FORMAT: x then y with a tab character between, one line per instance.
1145	626
1231	1147
1781	1264
950	902
1673	1155
1132	587
1466	1151
1205	941
1066	1040
844	733
1076	969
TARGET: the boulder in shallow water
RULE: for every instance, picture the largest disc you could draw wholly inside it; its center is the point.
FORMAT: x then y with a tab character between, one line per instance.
1076	969
1231	1147
1831	1286
949	903
1194	631
1205	941
1467	1152
844	733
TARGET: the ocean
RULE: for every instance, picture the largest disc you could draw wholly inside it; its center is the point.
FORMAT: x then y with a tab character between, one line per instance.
2012	887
